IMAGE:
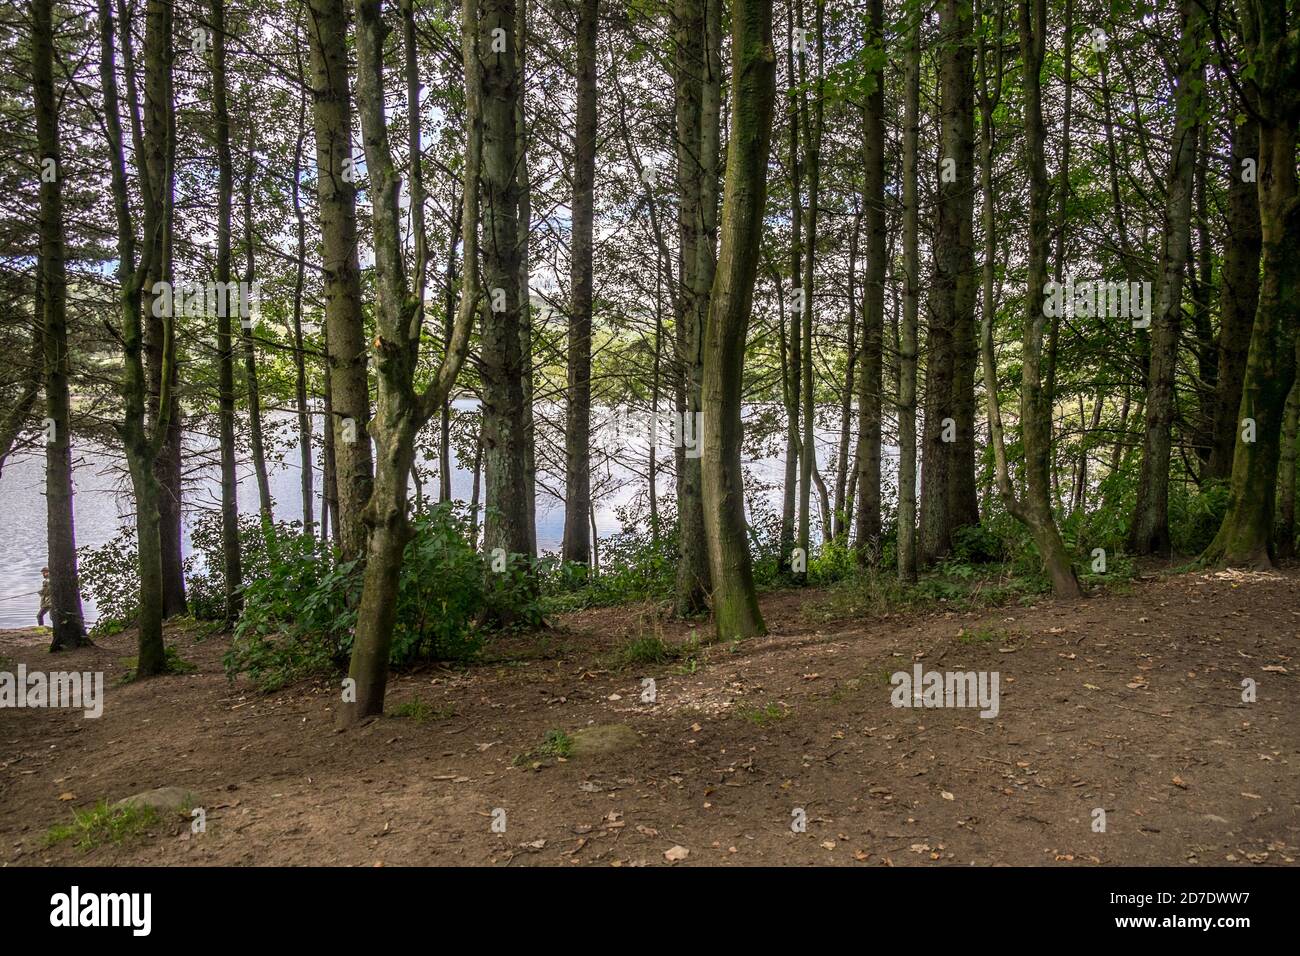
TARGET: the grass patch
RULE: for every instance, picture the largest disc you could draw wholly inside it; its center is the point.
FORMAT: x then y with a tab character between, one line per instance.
884	675
173	664
556	743
103	824
763	715
955	586
651	649
420	711
981	635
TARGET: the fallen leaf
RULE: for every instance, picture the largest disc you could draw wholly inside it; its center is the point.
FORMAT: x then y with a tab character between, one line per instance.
676	853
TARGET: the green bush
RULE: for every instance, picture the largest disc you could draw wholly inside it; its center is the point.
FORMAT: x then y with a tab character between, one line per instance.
298	615
110	574
205	588
442	591
633	567
1195	515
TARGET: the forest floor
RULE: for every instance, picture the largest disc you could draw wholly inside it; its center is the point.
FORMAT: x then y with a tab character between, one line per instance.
1130	701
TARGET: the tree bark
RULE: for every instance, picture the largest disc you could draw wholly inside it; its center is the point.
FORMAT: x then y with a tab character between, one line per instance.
948	498
1240	296
142	435
160	151
1245	538
753	75
345	336
506	521
1149	531
911	306
870	378
65	587
697	82
401	411
232	570
576	543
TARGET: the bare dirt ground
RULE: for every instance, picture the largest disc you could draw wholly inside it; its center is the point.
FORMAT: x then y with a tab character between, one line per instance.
1130	702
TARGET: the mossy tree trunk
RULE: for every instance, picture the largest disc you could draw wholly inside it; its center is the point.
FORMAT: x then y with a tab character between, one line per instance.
401	409
753	75
1272	87
336	192
1149	528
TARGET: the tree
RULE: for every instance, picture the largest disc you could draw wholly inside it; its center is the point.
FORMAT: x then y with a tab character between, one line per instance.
948	499
402	410
336	177
911	307
697	79
1149	531
502	363
65	588
1271	83
576	545
160	160
753	90
143	432
871	358
1035	509
1240	295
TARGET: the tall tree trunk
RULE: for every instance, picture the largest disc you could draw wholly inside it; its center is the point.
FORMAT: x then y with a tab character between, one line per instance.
753	80
1240	295
576	544
1272	45
401	411
948	498
870	379
142	437
1035	510
65	586
160	152
812	128
1149	531
525	287
506	522
911	306
840	528
793	371
251	383
345	339
697	81
232	570
449	310
330	491
306	458
1286	476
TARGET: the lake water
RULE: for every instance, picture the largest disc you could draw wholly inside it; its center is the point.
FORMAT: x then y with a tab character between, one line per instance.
103	502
